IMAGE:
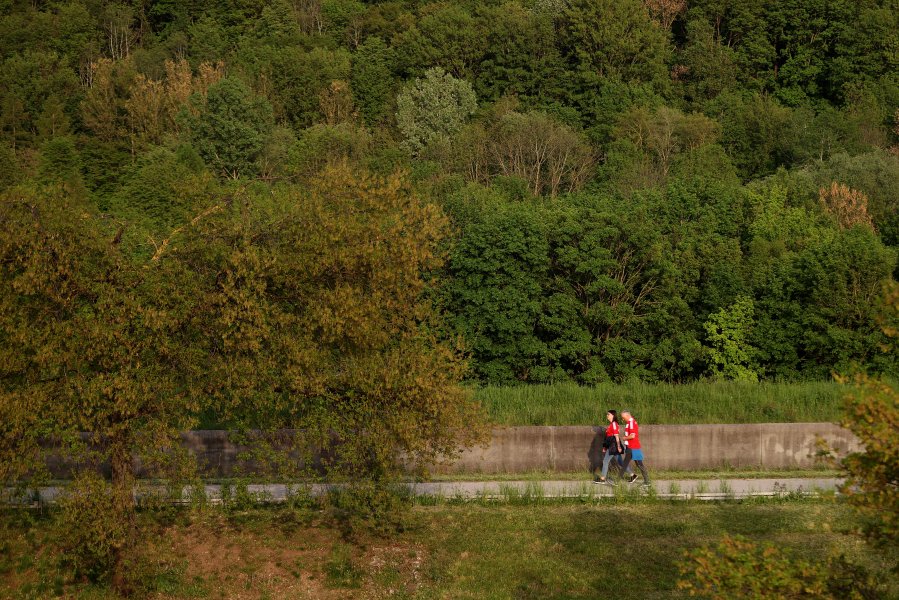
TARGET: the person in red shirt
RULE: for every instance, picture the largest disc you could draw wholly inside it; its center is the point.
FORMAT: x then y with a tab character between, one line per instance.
633	451
613	446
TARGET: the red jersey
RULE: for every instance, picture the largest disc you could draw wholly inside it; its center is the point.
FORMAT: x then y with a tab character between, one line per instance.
612	429
631	428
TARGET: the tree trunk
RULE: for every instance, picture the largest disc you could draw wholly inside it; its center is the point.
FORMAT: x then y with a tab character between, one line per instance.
123	488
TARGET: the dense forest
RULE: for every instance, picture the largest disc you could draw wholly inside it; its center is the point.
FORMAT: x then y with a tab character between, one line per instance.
654	190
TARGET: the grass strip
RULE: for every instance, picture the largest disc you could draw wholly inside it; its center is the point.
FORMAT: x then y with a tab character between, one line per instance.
663	403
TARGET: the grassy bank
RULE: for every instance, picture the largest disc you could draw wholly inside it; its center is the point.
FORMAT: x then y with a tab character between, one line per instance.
708	402
472	550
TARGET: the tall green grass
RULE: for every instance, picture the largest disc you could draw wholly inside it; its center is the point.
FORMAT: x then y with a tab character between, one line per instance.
705	402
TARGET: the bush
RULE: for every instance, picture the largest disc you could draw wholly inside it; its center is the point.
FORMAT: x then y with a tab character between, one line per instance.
93	528
368	506
738	568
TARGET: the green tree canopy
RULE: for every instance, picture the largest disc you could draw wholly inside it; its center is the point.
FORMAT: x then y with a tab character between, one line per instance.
229	128
433	107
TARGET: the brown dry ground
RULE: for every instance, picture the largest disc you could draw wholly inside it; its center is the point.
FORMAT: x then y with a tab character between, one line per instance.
254	562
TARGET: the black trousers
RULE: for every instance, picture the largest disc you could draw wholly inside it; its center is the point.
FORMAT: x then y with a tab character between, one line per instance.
627	461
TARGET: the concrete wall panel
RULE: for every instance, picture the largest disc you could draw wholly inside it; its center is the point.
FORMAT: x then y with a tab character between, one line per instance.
768	445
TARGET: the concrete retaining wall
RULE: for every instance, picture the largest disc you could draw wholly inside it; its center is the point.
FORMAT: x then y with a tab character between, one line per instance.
522	449
768	445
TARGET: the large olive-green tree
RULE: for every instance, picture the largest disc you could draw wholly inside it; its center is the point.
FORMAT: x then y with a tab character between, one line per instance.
317	321
94	361
299	309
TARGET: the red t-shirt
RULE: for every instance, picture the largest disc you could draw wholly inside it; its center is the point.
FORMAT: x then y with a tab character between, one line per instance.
631	427
612	429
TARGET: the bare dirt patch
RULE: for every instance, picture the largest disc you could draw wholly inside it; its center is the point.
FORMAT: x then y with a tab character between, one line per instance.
226	561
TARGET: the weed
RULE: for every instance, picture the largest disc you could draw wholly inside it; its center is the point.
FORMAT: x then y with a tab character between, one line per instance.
725	488
340	570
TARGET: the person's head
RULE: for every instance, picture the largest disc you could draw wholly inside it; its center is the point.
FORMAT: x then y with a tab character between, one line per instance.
612	416
626	414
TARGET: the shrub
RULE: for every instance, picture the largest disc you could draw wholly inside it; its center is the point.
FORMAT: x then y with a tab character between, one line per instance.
368	506
93	527
738	568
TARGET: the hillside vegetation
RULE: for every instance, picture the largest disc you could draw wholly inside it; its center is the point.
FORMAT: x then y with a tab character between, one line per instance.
638	190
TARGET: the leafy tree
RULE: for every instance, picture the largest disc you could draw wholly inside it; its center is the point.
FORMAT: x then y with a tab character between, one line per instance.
872	413
607	295
318	322
294	68
102	109
343	17
372	79
727	331
847	206
91	343
875	174
28	79
433	107
301	311
576	289
759	133
709	67
13	120
550	156
864	43
648	144
53	120
614	40
840	281
275	155
208	40
60	161
815	288
321	145
521	56
153	104
10	170
533	147
117	21
497	271
445	36
277	24
665	12
160	193
230	128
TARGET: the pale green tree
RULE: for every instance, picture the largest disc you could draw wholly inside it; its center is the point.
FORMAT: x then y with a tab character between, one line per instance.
433	107
727	332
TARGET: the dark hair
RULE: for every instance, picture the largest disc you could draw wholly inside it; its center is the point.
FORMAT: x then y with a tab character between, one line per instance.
614	414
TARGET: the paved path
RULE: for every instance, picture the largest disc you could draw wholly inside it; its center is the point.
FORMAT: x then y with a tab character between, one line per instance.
702	489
